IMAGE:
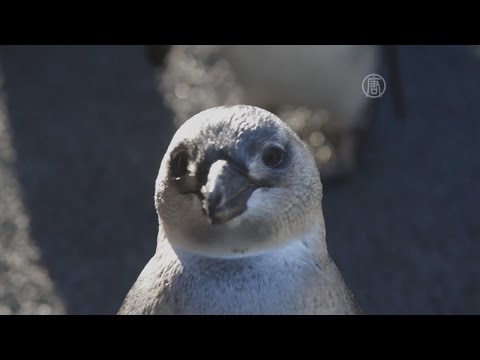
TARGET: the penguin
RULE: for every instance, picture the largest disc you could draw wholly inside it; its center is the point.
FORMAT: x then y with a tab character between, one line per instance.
241	228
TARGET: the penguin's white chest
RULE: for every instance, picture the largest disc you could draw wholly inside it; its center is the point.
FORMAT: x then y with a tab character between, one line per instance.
237	289
280	283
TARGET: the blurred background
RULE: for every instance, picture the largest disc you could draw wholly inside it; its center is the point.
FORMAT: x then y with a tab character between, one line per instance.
83	130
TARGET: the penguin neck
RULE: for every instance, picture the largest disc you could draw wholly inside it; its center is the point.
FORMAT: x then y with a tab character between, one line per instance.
312	239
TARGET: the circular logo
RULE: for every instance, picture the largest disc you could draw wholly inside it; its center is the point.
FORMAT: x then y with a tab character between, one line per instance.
374	86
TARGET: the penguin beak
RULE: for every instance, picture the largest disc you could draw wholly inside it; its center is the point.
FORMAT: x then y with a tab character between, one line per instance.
226	192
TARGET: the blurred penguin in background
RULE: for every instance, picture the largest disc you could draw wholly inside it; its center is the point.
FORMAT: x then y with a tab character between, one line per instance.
316	89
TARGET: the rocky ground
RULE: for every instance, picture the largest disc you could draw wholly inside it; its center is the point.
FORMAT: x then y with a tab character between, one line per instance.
82	133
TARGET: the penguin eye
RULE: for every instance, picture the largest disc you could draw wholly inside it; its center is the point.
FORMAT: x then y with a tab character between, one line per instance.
273	156
179	165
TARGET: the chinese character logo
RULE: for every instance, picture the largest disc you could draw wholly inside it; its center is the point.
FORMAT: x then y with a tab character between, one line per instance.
374	86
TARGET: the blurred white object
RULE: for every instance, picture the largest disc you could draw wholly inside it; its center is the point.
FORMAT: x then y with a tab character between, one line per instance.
315	89
315	76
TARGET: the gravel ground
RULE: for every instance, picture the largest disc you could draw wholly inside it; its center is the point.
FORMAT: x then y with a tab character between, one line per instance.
405	229
82	133
25	286
89	131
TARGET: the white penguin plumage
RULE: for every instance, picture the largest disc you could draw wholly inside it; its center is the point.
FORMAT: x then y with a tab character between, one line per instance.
315	76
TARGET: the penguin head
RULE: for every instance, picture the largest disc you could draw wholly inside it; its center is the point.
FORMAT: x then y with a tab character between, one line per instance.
236	181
